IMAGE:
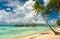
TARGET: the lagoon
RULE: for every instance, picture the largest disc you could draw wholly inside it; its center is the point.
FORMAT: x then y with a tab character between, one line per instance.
9	32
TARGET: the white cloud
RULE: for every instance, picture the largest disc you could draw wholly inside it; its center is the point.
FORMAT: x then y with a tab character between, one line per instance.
22	13
41	20
12	3
53	21
0	16
46	2
8	8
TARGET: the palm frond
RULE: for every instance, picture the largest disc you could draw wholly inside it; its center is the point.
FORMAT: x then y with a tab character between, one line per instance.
37	6
54	4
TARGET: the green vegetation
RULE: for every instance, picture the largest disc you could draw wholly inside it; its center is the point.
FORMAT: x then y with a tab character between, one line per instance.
52	5
58	22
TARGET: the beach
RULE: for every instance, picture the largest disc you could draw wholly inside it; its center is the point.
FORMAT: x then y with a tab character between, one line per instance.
20	32
43	35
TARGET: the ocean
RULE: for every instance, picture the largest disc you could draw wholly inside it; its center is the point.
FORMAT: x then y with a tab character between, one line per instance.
10	32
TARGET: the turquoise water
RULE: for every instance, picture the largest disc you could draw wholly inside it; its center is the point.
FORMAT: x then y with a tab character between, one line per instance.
9	32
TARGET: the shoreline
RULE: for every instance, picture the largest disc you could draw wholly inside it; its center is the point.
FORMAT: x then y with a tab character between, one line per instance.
39	35
20	37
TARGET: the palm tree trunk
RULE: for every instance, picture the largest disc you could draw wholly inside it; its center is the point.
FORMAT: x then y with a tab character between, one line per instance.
56	33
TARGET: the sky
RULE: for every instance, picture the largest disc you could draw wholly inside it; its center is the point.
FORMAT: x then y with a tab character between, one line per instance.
14	12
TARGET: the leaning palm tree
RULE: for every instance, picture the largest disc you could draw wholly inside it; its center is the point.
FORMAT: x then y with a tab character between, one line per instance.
38	7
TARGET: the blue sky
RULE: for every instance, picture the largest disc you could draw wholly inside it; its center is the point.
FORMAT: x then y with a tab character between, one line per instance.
13	12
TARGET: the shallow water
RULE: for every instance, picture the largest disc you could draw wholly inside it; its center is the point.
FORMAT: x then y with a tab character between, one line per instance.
9	32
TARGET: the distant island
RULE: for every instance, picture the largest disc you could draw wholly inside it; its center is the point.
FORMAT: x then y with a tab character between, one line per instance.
32	24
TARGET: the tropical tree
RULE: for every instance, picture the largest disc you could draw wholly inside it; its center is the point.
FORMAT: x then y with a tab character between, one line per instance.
58	22
51	6
54	5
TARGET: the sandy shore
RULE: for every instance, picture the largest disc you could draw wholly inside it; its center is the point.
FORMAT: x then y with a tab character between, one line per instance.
45	35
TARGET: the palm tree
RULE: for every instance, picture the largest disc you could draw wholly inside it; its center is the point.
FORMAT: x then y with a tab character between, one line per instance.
54	5
38	7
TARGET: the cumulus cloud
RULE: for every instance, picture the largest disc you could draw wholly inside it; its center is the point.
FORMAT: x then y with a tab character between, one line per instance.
22	14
